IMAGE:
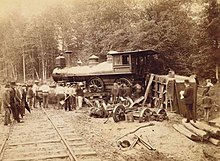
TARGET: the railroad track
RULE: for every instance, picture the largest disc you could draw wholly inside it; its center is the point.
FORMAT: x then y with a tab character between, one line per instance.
45	136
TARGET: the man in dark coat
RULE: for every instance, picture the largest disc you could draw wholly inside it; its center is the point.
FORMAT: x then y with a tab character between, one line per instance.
115	92
6	104
14	102
188	99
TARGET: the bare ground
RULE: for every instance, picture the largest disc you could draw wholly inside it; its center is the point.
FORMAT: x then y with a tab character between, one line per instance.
170	145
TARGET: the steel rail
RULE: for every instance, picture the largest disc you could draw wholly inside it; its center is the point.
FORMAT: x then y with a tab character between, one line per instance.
4	142
72	155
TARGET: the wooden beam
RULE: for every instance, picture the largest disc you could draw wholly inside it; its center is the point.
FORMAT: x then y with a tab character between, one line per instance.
201	133
148	89
214	141
36	142
181	129
206	127
39	158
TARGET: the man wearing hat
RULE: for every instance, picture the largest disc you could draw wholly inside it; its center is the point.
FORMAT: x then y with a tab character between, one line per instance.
6	104
14	102
79	94
35	88
188	99
68	93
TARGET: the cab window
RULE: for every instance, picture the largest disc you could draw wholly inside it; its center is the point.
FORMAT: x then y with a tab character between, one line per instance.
125	59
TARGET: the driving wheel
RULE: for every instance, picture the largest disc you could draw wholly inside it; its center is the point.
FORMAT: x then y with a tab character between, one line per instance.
95	85
145	115
119	113
126	81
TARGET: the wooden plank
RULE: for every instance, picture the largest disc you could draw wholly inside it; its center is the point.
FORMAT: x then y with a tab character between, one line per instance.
34	148
85	153
74	139
77	143
216	124
214	141
39	158
181	129
206	127
36	142
201	133
15	153
148	89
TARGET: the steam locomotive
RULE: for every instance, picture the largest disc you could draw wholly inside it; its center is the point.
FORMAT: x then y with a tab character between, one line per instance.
121	67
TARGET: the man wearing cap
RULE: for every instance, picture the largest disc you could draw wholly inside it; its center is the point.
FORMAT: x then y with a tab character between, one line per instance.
188	99
35	88
6	104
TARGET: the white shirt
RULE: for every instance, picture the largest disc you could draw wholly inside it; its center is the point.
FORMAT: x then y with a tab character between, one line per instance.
35	88
45	88
59	90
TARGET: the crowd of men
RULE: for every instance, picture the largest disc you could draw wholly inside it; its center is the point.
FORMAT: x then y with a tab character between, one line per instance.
13	102
18	97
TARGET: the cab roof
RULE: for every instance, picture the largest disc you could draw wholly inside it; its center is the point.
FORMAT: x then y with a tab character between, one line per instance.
137	52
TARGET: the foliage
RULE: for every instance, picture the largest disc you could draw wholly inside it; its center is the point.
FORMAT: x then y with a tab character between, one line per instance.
89	27
208	40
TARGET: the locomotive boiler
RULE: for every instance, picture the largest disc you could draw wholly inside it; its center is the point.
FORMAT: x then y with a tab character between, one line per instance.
121	67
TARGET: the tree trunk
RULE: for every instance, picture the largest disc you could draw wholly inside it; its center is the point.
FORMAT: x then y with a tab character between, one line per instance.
216	72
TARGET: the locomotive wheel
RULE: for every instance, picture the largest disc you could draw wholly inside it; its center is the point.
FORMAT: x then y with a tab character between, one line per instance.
119	113
96	85
145	115
128	102
124	80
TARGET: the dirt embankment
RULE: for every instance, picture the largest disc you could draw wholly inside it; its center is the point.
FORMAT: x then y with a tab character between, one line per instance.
170	145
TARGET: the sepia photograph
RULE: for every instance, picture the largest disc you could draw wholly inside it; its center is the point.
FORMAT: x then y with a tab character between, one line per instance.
109	80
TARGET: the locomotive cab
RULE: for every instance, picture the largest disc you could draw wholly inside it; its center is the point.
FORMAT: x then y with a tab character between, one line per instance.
136	62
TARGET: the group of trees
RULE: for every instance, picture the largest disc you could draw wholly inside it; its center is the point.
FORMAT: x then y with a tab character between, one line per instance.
187	39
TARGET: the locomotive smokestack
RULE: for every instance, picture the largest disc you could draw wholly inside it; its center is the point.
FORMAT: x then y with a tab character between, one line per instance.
60	61
68	54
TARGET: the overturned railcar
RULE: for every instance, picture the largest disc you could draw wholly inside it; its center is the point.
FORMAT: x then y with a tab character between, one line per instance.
124	67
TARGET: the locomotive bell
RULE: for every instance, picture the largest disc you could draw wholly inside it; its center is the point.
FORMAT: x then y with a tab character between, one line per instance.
60	61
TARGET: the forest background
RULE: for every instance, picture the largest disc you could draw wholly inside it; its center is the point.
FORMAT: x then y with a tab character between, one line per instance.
32	35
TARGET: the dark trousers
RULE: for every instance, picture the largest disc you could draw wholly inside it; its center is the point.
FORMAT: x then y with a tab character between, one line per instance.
189	112
67	103
7	116
15	112
73	102
45	101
